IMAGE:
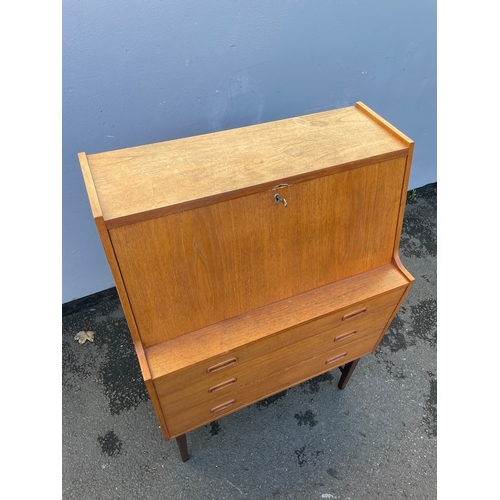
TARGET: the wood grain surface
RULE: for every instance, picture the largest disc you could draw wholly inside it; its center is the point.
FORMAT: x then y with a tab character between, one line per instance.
211	263
152	180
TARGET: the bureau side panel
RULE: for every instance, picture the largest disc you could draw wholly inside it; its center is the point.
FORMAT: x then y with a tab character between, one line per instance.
122	292
195	268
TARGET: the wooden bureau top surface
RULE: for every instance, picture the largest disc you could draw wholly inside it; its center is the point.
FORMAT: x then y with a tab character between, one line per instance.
137	183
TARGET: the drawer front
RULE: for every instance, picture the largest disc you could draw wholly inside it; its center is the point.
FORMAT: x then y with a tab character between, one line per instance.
201	414
230	376
341	326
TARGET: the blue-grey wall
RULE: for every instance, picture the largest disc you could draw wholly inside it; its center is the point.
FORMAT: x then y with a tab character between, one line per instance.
142	71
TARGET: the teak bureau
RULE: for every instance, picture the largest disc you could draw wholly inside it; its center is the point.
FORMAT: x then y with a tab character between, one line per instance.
250	260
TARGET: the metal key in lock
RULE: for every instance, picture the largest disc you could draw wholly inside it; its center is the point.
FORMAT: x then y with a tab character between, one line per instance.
279	199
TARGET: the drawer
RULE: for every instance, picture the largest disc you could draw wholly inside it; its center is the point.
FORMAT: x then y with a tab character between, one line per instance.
232	376
200	414
343	322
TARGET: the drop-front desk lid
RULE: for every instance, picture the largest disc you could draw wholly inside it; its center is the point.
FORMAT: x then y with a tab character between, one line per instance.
140	182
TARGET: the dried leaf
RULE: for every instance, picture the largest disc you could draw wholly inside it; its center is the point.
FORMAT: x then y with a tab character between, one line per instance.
84	336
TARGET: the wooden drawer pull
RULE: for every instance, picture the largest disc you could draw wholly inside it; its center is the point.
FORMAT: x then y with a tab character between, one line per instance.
220	366
223	406
335	358
345	335
355	313
222	385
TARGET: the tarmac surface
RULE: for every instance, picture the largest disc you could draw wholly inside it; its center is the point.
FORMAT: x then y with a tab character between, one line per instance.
374	439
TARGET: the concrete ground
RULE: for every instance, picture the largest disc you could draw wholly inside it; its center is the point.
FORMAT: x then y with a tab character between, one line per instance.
374	439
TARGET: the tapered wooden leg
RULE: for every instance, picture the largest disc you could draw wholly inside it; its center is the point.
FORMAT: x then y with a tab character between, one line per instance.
183	447
347	370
